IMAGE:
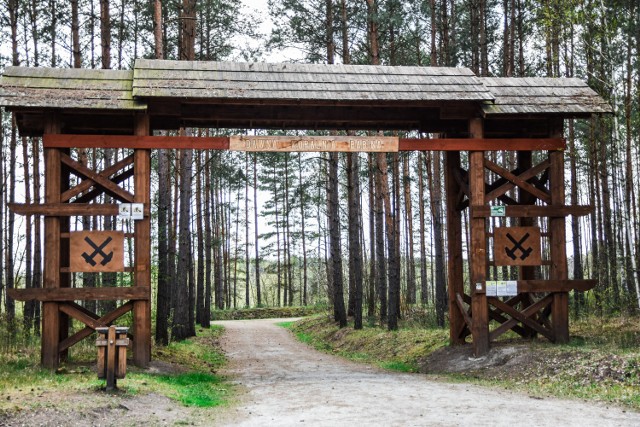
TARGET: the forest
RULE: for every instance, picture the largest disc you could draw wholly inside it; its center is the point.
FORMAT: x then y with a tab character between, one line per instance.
360	234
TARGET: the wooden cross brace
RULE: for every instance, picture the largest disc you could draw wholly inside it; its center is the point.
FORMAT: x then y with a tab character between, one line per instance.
98	179
520	181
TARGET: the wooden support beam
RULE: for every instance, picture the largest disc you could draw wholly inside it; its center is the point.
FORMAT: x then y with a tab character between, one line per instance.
142	249
51	272
527	312
88	183
457	316
478	250
463	310
74	311
517	181
105	320
80	294
557	285
557	247
524	211
147	142
482	144
138	142
526	175
522	317
91	195
69	209
107	185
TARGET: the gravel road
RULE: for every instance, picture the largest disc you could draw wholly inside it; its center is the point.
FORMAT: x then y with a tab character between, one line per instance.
288	383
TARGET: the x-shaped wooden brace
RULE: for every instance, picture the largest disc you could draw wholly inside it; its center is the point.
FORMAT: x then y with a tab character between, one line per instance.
90	319
100	180
520	181
523	317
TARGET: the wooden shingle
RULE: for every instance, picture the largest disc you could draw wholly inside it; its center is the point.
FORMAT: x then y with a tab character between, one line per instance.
305	82
68	88
538	95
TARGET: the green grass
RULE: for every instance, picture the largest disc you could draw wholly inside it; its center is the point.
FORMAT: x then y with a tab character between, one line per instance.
194	382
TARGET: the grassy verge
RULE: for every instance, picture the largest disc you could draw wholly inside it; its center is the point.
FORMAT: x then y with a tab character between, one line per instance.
185	372
601	362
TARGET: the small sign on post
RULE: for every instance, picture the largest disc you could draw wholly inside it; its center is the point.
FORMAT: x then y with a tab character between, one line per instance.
112	345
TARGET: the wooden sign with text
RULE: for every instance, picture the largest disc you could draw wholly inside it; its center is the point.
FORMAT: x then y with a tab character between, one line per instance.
382	144
517	246
96	251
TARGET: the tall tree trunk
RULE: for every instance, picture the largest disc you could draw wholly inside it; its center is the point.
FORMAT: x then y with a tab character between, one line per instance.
163	295
339	311
411	272
355	246
435	197
29	305
105	34
424	293
181	328
255	225
394	282
301	194
208	241
200	314
371	306
247	301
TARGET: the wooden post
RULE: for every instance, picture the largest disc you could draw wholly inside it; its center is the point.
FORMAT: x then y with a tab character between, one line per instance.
478	252
51	273
525	198
454	237
142	245
558	252
111	358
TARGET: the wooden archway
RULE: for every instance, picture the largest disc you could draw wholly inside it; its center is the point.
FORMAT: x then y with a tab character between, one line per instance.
474	117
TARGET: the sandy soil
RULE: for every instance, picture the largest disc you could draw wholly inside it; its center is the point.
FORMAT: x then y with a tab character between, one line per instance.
284	382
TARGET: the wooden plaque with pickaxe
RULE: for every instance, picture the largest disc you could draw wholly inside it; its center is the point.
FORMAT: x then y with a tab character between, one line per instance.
96	251
517	246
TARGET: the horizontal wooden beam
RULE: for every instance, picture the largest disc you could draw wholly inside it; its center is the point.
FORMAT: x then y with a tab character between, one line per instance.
81	294
135	142
533	211
555	285
482	144
222	143
68	209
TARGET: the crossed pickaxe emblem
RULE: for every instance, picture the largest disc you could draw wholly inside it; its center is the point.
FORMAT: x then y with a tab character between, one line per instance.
517	246
97	250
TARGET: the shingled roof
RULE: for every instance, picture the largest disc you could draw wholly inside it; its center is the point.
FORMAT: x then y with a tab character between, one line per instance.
308	82
539	95
68	88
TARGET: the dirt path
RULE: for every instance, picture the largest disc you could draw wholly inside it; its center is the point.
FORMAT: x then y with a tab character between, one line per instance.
288	383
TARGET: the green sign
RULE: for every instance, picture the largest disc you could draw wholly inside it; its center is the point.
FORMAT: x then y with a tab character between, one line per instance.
498	210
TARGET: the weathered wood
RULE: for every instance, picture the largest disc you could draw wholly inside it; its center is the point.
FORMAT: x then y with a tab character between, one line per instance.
557	285
521	317
454	248
481	144
111	358
51	273
103	321
109	186
463	311
142	142
558	252
314	143
88	183
527	312
526	175
96	251
517	181
553	211
68	209
74	311
478	250
80	294
142	250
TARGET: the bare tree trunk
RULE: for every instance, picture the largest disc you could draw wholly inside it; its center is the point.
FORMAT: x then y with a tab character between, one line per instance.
424	293
208	241
246	232
255	224
411	270
105	34
29	305
340	314
371	309
355	245
200	314
433	175
305	299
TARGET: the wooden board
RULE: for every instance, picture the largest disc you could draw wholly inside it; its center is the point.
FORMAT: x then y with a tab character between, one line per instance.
517	246
96	251
382	144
